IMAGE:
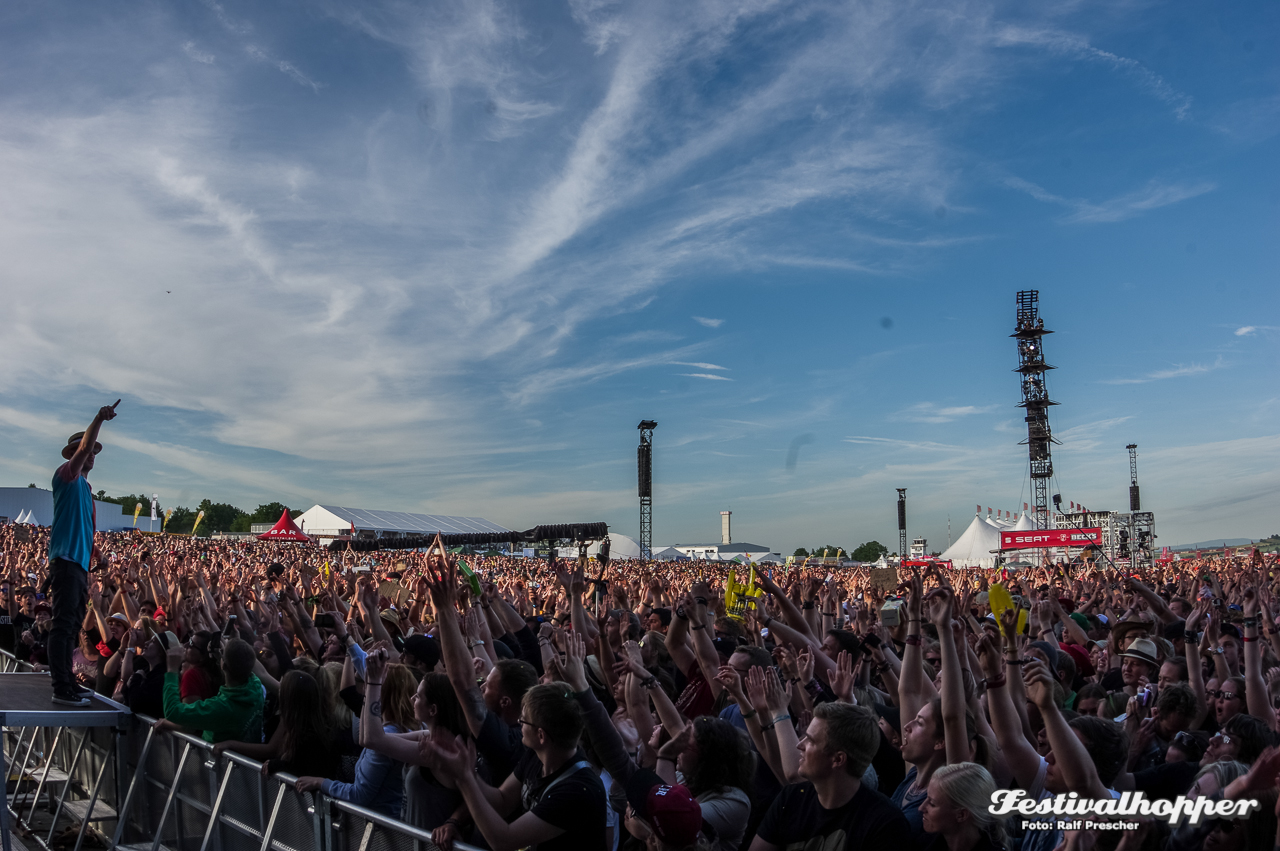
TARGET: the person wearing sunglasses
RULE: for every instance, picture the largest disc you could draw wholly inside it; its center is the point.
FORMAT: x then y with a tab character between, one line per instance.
1228	701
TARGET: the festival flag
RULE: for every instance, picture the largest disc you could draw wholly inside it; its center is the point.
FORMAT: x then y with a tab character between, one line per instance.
167	514
194	526
136	511
326	570
979	511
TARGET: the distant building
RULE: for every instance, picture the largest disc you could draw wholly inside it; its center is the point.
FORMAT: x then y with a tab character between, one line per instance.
110	516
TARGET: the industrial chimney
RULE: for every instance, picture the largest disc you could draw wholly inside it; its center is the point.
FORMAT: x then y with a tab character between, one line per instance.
725	537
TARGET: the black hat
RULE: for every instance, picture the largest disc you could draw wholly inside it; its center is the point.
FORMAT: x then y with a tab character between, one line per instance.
892	716
424	649
73	443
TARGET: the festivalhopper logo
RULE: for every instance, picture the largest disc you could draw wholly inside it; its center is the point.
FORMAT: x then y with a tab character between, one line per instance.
1005	802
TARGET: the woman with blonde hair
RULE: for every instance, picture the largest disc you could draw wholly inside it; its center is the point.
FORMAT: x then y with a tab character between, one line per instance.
956	810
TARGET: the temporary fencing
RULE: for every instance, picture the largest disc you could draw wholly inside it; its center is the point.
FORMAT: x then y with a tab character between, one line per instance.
173	792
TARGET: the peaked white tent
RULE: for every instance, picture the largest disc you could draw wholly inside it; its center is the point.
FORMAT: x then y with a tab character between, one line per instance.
670	554
973	548
1025	523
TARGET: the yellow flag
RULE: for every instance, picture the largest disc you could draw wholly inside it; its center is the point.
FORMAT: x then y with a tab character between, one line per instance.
199	517
999	599
326	570
136	511
167	514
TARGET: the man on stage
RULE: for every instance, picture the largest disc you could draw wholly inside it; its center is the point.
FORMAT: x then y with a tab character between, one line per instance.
71	553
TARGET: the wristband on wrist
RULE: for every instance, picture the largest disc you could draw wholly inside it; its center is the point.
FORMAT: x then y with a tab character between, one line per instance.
808	605
750	713
650	683
700	626
913	640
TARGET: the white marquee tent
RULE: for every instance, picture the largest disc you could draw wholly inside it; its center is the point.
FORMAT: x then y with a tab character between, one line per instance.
973	548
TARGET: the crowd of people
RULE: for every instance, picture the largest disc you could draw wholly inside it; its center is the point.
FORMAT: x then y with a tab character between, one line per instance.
566	704
570	704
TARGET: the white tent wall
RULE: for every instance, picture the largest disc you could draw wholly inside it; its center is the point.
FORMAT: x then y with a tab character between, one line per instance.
973	547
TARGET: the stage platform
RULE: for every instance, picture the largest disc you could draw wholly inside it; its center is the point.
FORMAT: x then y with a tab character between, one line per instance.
26	701
26	704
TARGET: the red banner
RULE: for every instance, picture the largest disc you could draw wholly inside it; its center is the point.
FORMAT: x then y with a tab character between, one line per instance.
1039	538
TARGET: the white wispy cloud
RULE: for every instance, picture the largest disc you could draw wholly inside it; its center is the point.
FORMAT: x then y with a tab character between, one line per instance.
931	412
709	375
1246	330
1127	206
197	54
1076	46
700	365
710	323
1179	371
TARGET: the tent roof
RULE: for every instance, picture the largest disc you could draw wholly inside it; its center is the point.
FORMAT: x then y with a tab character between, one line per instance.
329	517
1025	523
973	547
670	554
284	530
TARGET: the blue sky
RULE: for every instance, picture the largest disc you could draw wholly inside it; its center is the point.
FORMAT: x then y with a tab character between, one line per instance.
445	256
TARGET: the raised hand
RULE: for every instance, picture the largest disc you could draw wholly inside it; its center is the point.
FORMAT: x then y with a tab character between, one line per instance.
574	667
756	694
732	681
940	605
841	678
1039	684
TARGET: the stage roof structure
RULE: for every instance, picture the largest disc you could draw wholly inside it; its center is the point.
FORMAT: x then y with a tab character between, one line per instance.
333	520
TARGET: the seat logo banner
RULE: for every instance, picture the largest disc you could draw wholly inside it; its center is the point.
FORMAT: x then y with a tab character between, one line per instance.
1035	538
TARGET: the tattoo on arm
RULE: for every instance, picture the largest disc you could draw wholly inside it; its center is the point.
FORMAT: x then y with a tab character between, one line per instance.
375	708
474	705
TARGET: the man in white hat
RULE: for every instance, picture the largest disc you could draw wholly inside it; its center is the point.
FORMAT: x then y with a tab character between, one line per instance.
71	554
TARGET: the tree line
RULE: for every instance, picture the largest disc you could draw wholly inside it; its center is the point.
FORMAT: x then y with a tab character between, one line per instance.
870	551
218	516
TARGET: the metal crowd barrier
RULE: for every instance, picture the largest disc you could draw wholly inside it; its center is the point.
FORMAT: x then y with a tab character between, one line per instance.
179	796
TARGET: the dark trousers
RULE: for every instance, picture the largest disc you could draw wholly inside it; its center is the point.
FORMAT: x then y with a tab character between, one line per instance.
69	583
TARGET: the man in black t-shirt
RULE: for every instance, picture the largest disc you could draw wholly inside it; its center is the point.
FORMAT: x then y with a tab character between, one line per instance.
832	806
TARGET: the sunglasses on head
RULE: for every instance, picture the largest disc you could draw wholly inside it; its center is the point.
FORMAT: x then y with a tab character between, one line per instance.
1222	737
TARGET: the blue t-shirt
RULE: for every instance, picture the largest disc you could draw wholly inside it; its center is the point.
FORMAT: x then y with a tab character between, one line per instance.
71	536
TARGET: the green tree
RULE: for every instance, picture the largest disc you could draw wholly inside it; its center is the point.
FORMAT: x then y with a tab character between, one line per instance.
218	517
181	521
870	551
826	551
269	512
800	552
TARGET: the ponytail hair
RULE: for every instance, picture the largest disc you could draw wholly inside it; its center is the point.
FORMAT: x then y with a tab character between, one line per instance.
968	786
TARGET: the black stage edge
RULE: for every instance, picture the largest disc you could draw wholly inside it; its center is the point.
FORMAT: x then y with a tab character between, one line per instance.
26	701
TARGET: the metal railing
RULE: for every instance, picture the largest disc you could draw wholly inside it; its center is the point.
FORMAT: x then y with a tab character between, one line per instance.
180	796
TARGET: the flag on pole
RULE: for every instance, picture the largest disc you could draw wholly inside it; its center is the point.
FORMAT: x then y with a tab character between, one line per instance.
168	512
137	509
196	525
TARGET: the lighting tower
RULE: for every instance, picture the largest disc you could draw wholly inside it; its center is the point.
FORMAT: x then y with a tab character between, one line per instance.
902	523
1142	537
1035	399
644	465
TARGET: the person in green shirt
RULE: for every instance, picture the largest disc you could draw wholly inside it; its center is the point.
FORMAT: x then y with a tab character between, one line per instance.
234	713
